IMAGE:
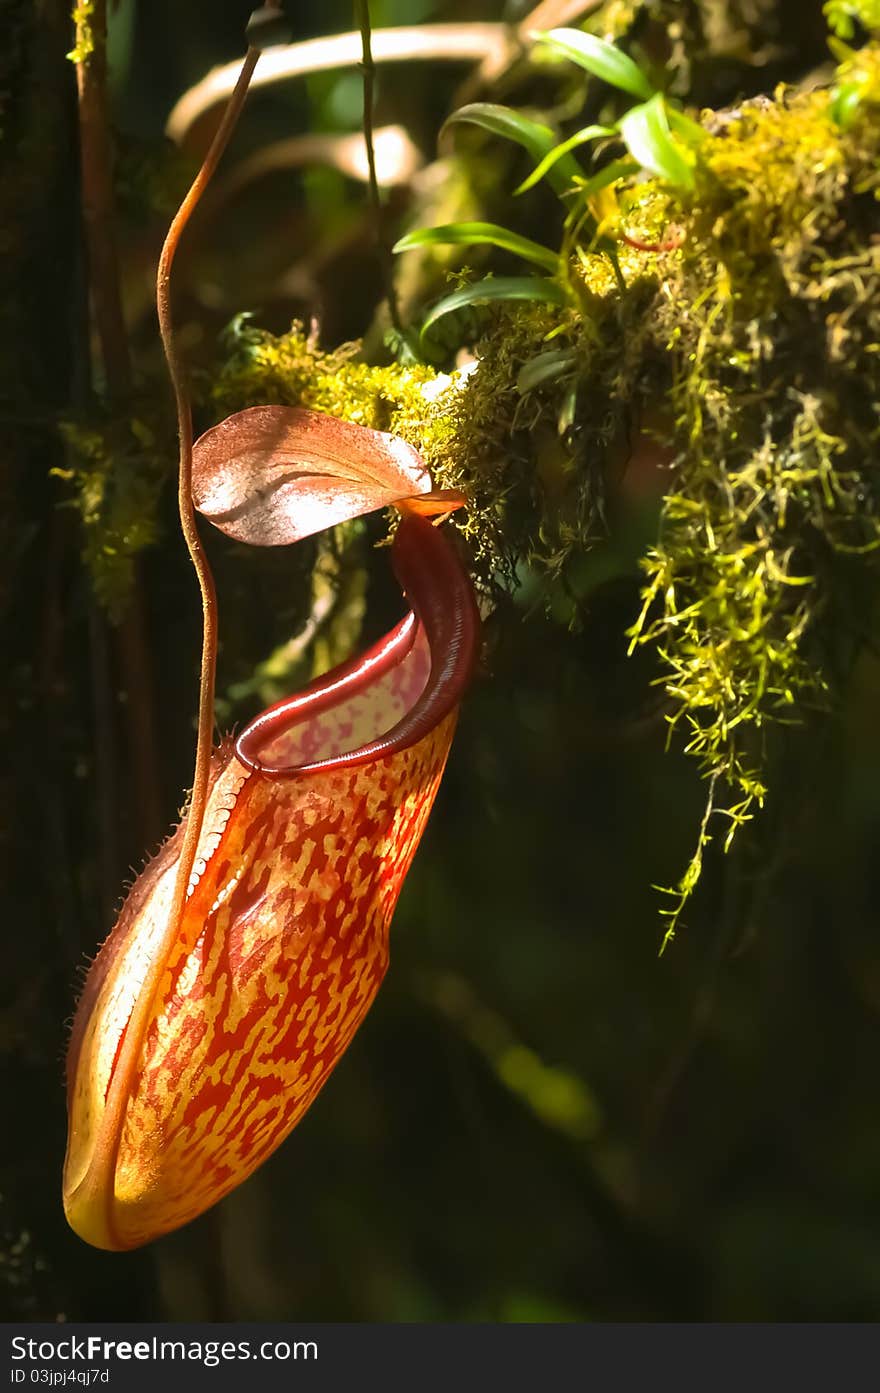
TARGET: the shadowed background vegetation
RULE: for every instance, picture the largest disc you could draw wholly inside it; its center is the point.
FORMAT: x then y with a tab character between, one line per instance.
542	1118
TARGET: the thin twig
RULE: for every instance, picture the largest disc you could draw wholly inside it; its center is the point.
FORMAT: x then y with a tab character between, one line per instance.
97	198
397	160
177	372
97	1183
548	14
434	43
368	67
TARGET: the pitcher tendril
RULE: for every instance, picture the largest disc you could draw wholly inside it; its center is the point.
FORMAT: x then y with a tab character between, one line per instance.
177	373
158	1128
95	1185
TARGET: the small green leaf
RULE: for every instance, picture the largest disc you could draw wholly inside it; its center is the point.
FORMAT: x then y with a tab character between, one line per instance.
600	58
845	102
688	130
538	139
560	151
609	174
645	129
844	15
568	410
544	367
471	234
497	288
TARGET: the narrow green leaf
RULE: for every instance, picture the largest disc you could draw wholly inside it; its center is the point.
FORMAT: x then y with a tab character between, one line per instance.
497	288
600	58
544	367
609	174
567	410
844	16
688	130
845	102
538	139
645	129
560	151
471	234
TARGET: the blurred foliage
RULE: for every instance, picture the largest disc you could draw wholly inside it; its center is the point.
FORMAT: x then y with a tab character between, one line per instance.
844	15
539	1120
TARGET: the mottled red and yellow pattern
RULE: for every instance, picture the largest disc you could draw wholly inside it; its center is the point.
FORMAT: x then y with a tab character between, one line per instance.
284	939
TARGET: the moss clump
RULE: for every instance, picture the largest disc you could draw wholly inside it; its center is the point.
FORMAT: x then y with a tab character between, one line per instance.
771	325
527	446
844	15
290	369
116	469
83	14
418	403
751	346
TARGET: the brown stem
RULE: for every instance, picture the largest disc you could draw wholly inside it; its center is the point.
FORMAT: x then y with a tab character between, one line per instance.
435	43
547	14
97	199
362	14
177	372
98	1179
96	174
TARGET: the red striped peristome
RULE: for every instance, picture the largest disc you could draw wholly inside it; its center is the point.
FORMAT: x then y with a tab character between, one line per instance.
314	816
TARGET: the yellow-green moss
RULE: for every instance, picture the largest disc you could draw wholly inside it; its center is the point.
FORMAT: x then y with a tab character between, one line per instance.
532	474
771	328
82	15
116	469
843	15
753	348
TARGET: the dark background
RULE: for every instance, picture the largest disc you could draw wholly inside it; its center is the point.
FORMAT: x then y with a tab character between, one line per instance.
541	1119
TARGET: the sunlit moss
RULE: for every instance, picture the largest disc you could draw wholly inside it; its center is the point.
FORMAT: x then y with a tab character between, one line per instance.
464	424
529	459
749	340
843	15
82	15
771	328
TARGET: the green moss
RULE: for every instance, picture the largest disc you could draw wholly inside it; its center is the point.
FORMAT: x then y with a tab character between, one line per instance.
425	407
116	469
771	327
82	15
524	456
844	15
751	348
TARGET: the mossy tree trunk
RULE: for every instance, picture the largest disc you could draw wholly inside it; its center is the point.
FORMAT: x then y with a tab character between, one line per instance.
51	653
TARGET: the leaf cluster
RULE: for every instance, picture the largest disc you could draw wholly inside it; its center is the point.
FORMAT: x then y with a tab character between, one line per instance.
656	137
749	342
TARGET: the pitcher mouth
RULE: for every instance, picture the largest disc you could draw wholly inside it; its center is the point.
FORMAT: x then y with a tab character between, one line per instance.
416	673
